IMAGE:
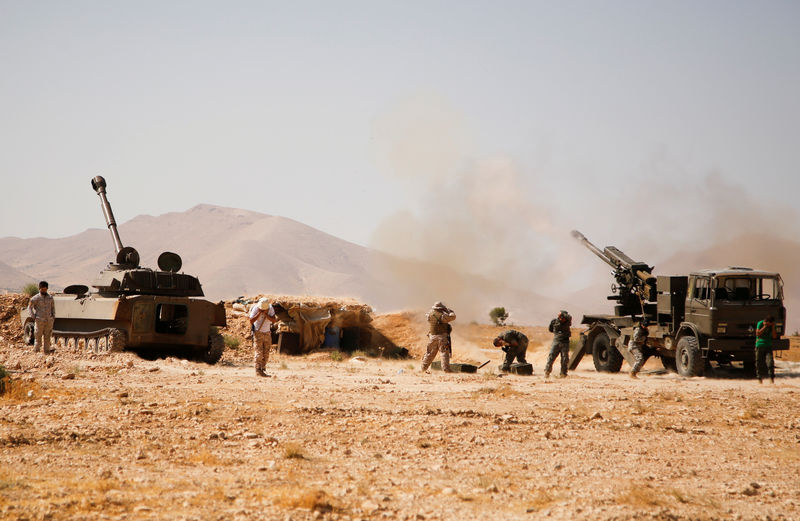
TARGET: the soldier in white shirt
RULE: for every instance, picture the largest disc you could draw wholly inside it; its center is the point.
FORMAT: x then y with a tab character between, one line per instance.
262	315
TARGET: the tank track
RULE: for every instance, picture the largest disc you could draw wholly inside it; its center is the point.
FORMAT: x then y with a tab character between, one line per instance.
108	340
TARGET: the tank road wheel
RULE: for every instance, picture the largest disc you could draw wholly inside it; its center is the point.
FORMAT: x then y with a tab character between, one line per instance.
669	364
606	357
117	339
91	344
749	366
688	359
27	333
216	345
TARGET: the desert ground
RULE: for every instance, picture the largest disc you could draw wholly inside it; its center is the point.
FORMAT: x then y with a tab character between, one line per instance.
328	436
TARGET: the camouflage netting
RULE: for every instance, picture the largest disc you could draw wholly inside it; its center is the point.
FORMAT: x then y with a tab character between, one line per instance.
309	317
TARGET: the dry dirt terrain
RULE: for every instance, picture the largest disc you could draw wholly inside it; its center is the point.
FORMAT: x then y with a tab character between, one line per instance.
325	437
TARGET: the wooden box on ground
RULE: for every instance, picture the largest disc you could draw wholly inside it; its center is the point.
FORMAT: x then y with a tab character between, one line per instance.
520	369
456	368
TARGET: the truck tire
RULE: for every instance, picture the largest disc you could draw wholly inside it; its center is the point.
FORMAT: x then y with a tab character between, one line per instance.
688	358
605	356
117	340
216	345
28	333
669	364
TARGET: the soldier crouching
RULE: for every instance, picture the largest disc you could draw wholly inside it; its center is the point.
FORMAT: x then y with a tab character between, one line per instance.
439	318
514	344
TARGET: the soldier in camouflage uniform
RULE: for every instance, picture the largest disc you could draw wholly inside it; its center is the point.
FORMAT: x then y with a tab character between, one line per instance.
638	346
262	315
560	327
439	318
514	344
42	308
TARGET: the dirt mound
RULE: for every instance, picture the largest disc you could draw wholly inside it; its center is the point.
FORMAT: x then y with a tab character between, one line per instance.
10	327
405	329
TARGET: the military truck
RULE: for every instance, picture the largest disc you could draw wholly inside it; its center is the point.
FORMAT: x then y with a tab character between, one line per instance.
707	316
132	307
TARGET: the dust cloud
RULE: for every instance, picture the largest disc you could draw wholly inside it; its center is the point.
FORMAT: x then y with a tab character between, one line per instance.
481	236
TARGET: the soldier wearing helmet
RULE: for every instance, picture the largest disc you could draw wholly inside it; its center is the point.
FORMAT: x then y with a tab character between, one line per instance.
439	318
560	327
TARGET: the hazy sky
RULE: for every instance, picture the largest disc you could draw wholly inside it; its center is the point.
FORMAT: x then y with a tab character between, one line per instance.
337	113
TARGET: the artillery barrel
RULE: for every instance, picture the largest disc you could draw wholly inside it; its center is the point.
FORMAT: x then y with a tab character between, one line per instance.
99	185
594	249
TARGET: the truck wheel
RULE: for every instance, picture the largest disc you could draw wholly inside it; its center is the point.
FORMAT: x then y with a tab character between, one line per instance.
216	345
606	357
688	359
669	364
28	333
117	339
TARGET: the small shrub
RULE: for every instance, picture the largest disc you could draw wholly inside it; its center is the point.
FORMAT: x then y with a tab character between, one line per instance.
293	451
503	390
337	356
3	378
231	342
30	289
498	316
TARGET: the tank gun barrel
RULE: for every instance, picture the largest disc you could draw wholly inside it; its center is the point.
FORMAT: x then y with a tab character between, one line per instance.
99	185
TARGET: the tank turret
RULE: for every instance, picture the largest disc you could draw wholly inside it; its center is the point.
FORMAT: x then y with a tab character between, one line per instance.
126	277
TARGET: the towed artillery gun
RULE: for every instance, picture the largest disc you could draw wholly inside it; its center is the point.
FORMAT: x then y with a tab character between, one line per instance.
131	307
708	315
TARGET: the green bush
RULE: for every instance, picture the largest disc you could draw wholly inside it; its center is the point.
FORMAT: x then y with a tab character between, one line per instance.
3	379
30	289
498	316
337	356
231	342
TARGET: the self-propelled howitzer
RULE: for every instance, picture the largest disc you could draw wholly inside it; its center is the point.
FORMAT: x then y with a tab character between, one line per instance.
706	316
133	307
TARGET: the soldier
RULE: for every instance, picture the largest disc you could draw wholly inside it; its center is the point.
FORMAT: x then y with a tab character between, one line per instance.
638	346
262	315
560	327
439	318
514	344
765	363
42	309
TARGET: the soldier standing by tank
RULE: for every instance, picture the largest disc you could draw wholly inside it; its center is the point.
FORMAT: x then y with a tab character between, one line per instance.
638	346
765	363
262	315
514	344
439	318
560	327
42	308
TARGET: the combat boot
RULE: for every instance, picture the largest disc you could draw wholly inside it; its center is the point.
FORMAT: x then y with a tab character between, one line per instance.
260	372
632	375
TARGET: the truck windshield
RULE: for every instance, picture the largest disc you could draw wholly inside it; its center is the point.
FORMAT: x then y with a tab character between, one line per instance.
748	288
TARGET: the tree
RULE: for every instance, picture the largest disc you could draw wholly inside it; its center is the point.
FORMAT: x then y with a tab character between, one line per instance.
498	316
30	289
